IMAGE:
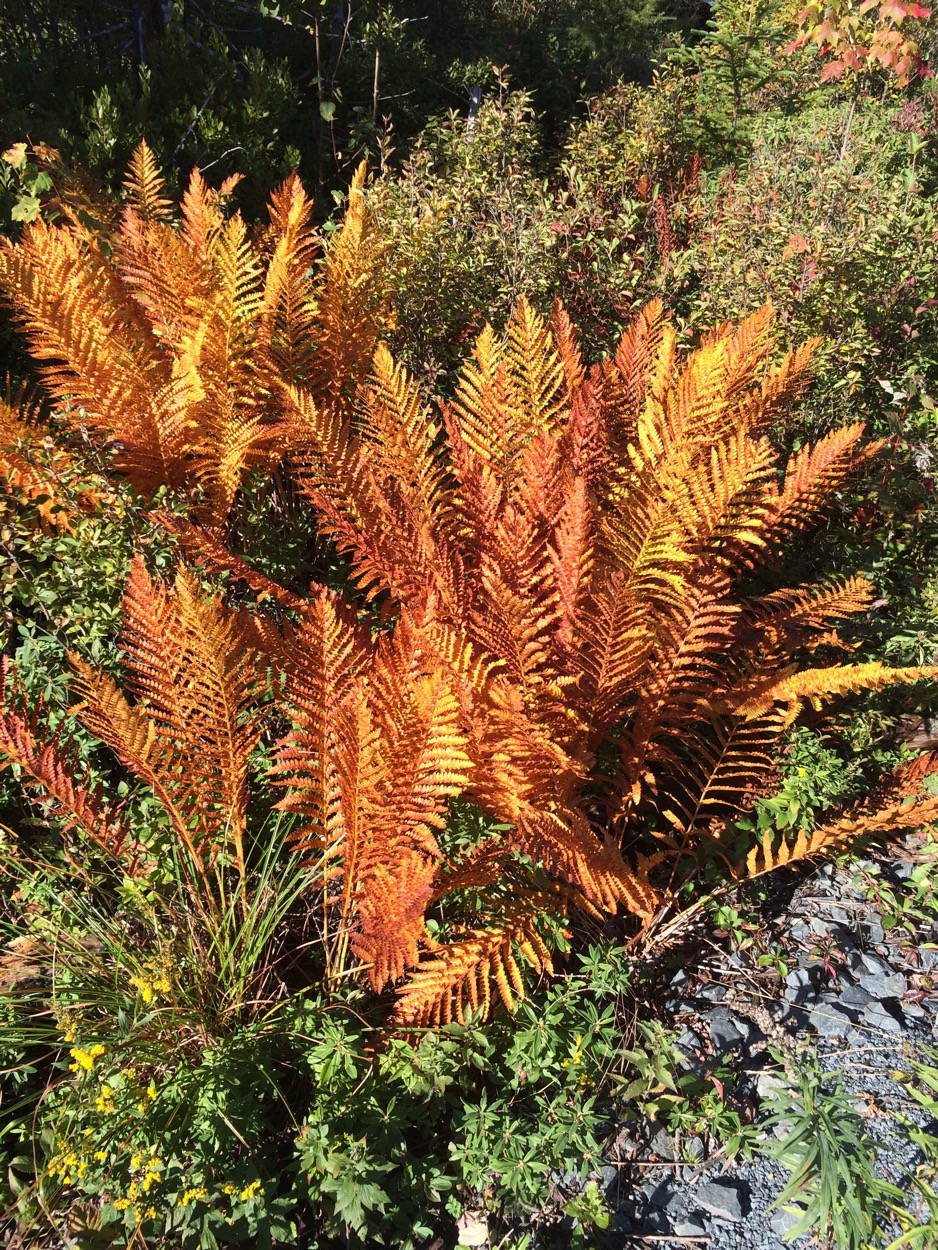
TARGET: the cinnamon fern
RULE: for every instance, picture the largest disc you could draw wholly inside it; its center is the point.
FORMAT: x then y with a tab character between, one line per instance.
568	543
167	336
557	558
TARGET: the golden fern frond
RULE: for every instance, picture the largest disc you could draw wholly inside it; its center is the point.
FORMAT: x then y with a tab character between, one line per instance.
568	350
569	849
51	764
865	820
627	377
196	719
326	656
721	500
351	306
59	287
145	185
514	388
459	975
813	475
288	321
535	377
784	385
729	761
801	618
371	514
202	217
617	630
743	362
373	758
22	477
815	685
690	662
375	772
572	557
477	417
404	438
391	906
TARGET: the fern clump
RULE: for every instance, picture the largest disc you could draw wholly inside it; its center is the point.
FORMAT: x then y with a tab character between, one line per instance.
558	557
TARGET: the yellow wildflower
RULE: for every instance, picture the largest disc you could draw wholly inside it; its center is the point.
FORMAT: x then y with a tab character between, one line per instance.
100	1155
145	986
121	1203
105	1100
192	1195
135	1161
230	1189
250	1191
84	1059
150	1213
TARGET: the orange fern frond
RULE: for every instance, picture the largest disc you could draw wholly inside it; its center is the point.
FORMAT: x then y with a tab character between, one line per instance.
196	718
172	345
351	306
458	976
815	685
204	548
50	764
289	310
374	757
22	476
813	475
145	186
865	820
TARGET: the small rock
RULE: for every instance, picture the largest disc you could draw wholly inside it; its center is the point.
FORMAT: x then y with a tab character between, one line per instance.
929	956
874	931
657	1222
830	1020
712	992
727	1200
725	1032
874	964
914	1011
819	927
609	1176
902	870
779	1010
782	1221
689	1041
800	931
799	987
690	1226
880	987
854	996
833	913
878	1016
667	1196
661	1141
679	981
768	1084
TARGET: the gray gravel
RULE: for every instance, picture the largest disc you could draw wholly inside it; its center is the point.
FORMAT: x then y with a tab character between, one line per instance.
867	1013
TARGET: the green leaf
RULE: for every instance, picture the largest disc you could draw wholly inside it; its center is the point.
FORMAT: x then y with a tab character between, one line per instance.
26	208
